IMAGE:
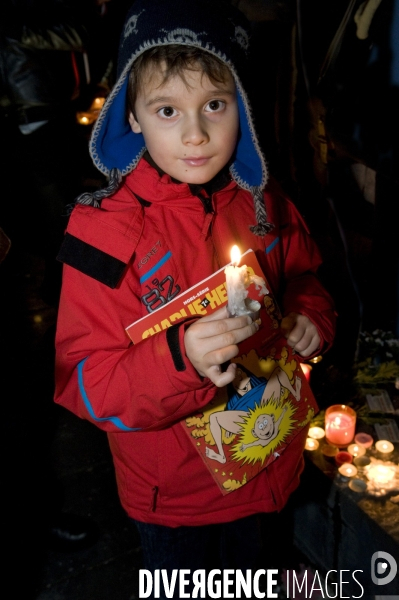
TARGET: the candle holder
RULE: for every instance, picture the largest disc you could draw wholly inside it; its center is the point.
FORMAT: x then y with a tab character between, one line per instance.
311	444
317	433
343	458
347	470
340	423
356	450
384	446
364	439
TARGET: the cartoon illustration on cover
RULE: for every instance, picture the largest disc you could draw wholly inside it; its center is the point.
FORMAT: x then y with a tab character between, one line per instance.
251	421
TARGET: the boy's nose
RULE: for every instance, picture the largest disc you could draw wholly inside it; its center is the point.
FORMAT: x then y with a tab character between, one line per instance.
195	132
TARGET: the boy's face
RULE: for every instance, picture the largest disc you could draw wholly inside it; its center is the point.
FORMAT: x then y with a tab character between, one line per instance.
190	131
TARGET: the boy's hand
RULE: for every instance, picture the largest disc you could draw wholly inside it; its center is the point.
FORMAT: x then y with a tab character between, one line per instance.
301	334
212	341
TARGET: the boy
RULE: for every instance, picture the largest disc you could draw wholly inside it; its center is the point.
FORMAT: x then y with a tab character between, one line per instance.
187	182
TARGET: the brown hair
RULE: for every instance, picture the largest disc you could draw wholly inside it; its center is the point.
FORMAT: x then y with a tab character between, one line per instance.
175	60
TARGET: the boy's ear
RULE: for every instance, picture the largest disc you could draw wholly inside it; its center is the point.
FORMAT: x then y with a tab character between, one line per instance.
134	124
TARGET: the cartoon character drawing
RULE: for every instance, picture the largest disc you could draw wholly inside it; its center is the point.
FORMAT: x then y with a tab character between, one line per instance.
272	310
251	392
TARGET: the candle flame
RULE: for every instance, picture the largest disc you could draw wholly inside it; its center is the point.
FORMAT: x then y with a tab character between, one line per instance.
235	255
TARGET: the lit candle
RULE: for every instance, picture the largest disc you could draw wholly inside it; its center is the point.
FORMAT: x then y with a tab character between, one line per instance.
98	103
316	359
85	118
238	279
340	422
316	433
343	458
384	446
364	439
380	474
347	470
311	444
356	450
306	370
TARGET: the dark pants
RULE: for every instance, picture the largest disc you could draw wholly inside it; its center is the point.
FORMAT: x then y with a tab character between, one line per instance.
235	545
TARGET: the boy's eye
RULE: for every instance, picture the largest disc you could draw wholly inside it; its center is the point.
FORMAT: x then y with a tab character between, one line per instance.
167	112
215	105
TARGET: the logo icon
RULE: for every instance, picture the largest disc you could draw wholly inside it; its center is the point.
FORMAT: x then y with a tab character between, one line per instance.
383	568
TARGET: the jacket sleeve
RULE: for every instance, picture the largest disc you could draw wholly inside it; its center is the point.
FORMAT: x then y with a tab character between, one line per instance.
302	291
102	377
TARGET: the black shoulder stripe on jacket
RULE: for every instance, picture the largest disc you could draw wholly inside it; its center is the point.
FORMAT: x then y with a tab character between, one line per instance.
92	262
172	337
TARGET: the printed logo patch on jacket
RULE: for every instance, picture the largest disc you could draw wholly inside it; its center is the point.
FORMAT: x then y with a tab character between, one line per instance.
157	283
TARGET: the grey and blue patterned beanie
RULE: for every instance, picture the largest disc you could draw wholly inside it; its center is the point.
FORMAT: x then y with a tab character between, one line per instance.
211	25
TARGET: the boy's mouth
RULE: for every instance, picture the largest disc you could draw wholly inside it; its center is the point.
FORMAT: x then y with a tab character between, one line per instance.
195	161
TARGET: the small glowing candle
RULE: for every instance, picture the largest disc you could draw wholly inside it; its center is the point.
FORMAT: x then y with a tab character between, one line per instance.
238	279
306	370
380	474
364	439
340	423
348	470
85	118
311	444
316	359
316	433
384	446
343	458
356	450
98	103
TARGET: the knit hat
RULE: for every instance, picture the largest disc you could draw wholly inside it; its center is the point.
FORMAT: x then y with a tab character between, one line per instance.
211	25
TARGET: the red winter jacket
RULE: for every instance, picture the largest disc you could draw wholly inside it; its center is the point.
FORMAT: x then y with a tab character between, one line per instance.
152	240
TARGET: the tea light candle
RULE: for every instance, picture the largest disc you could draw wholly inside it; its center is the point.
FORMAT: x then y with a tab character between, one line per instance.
380	474
364	439
306	370
384	446
357	485
356	450
329	451
316	433
340	422
362	461
238	279
347	470
311	444
316	359
343	458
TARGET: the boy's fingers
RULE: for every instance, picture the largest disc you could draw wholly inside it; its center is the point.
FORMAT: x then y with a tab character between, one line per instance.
228	338
221	313
221	378
214	328
287	324
313	345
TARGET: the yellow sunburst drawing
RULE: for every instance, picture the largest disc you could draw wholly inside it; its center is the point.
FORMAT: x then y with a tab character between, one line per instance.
256	453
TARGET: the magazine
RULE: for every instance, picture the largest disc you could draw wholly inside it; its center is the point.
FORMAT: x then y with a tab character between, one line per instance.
250	422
